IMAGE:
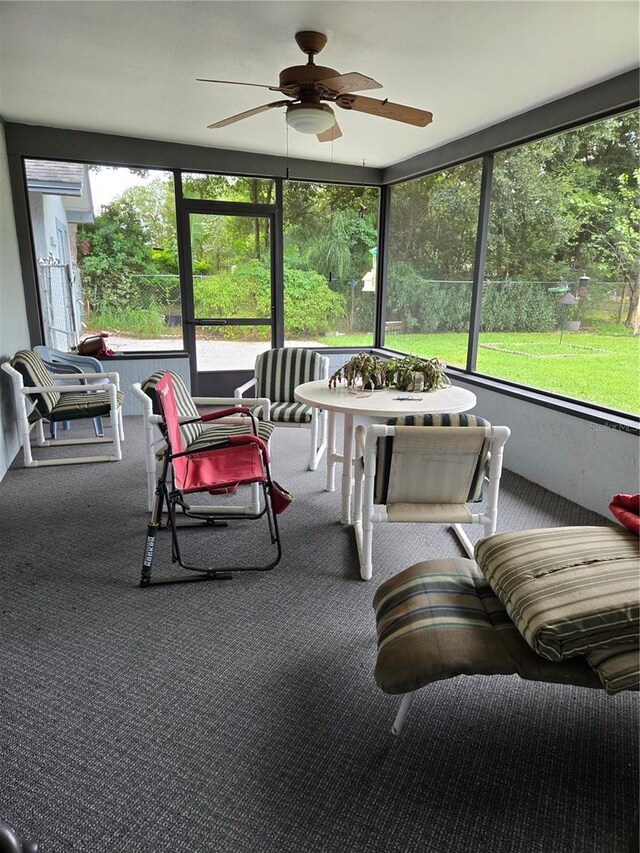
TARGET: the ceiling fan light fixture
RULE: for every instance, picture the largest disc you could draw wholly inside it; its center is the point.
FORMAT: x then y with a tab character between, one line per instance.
310	118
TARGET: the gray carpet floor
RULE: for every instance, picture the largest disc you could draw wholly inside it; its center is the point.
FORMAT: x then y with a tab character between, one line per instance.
242	716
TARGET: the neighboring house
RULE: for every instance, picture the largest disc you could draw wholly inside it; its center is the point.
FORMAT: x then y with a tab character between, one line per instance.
59	199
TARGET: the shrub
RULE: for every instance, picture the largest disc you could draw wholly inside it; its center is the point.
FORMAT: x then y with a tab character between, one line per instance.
428	306
310	307
518	306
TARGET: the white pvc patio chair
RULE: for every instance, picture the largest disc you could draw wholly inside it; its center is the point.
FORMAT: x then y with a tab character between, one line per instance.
277	373
196	432
38	395
57	361
426	469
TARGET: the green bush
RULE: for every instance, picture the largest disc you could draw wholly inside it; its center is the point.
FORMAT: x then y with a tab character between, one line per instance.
310	307
518	306
427	306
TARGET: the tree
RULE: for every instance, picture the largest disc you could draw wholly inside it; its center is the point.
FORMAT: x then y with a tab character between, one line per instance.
531	224
155	206
434	220
617	239
114	249
605	175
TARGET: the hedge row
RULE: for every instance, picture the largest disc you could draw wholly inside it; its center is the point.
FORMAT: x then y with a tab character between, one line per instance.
443	306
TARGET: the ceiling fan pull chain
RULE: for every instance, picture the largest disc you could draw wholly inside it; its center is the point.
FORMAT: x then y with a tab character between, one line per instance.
287	158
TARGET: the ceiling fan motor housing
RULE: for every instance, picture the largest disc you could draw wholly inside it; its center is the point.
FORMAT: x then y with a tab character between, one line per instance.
305	75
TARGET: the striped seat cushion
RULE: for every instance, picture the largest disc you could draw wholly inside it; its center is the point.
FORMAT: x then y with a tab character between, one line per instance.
439	619
385	453
279	371
292	413
569	590
35	374
186	407
221	432
88	405
617	668
438	420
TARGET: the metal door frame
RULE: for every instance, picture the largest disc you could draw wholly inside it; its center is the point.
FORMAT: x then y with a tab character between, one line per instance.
184	208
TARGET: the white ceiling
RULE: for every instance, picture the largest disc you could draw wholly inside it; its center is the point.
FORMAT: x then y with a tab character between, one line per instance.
130	68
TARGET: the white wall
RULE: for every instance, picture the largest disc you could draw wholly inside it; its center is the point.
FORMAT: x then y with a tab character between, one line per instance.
36	211
583	461
14	333
54	209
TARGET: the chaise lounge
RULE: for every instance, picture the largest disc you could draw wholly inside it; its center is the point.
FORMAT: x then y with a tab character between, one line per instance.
557	605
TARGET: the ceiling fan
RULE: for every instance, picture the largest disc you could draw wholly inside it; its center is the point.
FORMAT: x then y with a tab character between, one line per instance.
308	85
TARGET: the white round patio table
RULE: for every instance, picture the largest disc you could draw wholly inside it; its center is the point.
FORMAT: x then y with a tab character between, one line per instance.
385	403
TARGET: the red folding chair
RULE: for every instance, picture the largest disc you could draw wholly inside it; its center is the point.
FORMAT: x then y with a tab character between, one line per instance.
218	468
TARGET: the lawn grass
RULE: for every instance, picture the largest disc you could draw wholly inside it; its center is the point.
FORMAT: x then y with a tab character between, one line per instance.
595	367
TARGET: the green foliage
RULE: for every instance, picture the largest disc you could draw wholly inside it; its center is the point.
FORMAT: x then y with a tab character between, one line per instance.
365	368
227	188
331	229
310	306
140	323
518	306
433	222
427	306
155	208
443	306
117	250
342	250
560	207
400	372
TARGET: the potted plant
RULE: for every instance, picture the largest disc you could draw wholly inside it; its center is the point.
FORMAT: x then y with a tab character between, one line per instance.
412	373
368	369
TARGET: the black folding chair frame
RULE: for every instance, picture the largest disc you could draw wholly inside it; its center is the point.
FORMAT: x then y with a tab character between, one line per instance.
172	497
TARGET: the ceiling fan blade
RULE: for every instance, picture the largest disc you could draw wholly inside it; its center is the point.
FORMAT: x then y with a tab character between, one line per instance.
247	113
331	134
236	83
352	82
385	109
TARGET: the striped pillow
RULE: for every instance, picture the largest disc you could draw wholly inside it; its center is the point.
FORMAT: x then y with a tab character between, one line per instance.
570	590
34	373
278	371
385	451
